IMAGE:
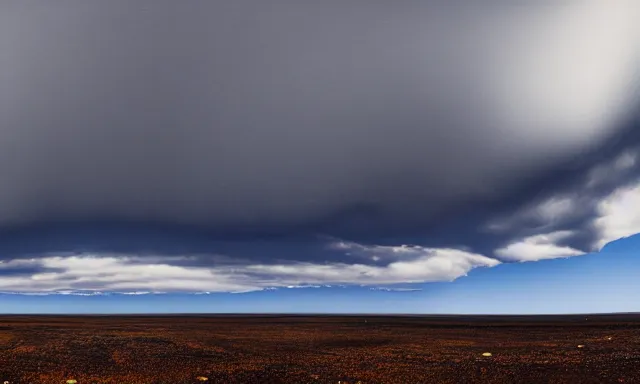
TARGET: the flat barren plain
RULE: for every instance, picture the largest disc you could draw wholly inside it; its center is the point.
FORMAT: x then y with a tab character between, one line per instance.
320	349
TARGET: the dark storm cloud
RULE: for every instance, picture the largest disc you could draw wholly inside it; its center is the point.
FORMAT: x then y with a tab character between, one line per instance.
188	128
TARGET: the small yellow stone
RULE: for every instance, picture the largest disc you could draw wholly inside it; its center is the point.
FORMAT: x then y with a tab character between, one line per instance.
202	378
580	346
487	354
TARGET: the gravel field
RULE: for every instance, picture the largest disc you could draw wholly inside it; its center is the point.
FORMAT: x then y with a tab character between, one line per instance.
320	349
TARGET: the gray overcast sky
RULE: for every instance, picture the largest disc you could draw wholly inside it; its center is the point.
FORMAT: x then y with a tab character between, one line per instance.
295	113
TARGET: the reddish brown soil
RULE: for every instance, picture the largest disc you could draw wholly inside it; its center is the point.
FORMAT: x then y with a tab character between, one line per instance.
320	349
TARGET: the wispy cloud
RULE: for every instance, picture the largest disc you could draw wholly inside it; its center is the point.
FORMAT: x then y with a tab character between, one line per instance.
538	247
117	274
386	289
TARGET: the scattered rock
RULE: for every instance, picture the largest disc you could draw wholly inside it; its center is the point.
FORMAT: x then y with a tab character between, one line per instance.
487	354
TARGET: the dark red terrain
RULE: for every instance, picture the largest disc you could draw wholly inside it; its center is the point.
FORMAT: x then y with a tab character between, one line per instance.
320	349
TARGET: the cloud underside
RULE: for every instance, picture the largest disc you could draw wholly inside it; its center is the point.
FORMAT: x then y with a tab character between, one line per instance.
79	274
380	267
240	114
474	135
603	206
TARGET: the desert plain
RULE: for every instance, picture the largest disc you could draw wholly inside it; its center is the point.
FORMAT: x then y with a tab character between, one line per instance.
363	349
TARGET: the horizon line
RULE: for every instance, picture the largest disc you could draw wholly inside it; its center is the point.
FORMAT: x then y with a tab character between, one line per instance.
317	314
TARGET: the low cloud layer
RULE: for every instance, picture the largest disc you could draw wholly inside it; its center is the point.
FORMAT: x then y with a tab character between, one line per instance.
538	247
326	135
122	274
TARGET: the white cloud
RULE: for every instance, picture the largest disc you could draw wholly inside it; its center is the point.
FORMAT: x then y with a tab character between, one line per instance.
114	273
549	211
303	286
430	265
538	247
90	274
395	289
618	216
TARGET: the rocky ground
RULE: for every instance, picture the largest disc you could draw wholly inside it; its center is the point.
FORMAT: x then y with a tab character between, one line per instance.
320	349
